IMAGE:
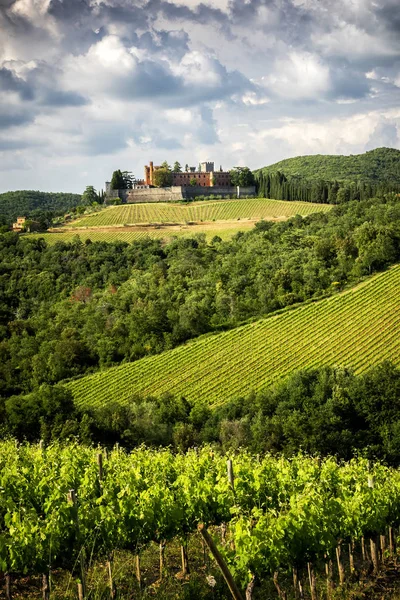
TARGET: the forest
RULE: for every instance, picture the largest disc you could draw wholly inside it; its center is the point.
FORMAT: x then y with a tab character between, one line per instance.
35	204
331	179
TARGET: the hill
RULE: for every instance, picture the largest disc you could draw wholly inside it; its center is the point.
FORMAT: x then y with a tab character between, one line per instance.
197	212
357	329
333	178
28	202
376	166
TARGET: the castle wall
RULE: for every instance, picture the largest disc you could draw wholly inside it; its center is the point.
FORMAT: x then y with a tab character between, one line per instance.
179	193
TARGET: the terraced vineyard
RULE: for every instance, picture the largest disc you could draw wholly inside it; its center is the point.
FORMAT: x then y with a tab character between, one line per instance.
221	210
357	329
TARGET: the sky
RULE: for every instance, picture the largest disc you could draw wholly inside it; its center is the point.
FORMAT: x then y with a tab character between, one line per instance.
90	86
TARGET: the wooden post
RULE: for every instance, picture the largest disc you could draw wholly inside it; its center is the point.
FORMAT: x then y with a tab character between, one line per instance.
392	542
329	577
351	558
383	547
231	478
220	562
113	592
80	591
45	587
185	561
162	558
138	574
8	586
72	498
100	465
342	575
295	583
313	585
373	542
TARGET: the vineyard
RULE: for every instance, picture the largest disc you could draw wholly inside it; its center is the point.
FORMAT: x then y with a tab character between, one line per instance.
66	506
198	211
357	329
224	230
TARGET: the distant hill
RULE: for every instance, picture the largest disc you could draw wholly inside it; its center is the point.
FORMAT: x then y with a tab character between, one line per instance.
318	178
378	165
26	203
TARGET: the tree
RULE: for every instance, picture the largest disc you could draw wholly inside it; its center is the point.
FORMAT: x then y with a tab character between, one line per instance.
199	168
129	179
186	168
177	167
117	181
193	182
241	176
162	177
165	165
89	195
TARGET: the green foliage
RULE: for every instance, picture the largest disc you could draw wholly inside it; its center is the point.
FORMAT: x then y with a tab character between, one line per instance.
149	296
89	196
162	177
215	369
241	176
280	514
117	180
166	166
36	205
177	167
332	179
193	182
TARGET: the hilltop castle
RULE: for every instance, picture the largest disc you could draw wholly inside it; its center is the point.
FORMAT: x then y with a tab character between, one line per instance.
187	184
205	177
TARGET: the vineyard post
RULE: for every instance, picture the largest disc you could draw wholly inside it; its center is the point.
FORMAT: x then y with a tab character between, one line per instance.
342	575
100	465
313	585
295	582
329	577
45	587
113	591
8	586
80	591
372	541
163	543
392	542
351	557
383	547
72	498
138	574
236	594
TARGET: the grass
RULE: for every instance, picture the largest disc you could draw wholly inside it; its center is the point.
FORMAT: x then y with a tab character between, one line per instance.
224	210
356	329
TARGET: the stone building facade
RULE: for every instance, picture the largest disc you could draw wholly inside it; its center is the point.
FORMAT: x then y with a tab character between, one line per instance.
206	177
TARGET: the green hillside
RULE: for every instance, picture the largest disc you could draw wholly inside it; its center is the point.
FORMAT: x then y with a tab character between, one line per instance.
376	166
357	329
27	202
219	210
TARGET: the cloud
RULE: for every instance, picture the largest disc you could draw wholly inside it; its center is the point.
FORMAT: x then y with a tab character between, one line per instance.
101	83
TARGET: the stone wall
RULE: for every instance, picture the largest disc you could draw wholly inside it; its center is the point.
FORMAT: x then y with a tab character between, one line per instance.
170	194
178	193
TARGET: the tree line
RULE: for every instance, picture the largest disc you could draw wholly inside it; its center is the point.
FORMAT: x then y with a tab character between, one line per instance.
282	187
